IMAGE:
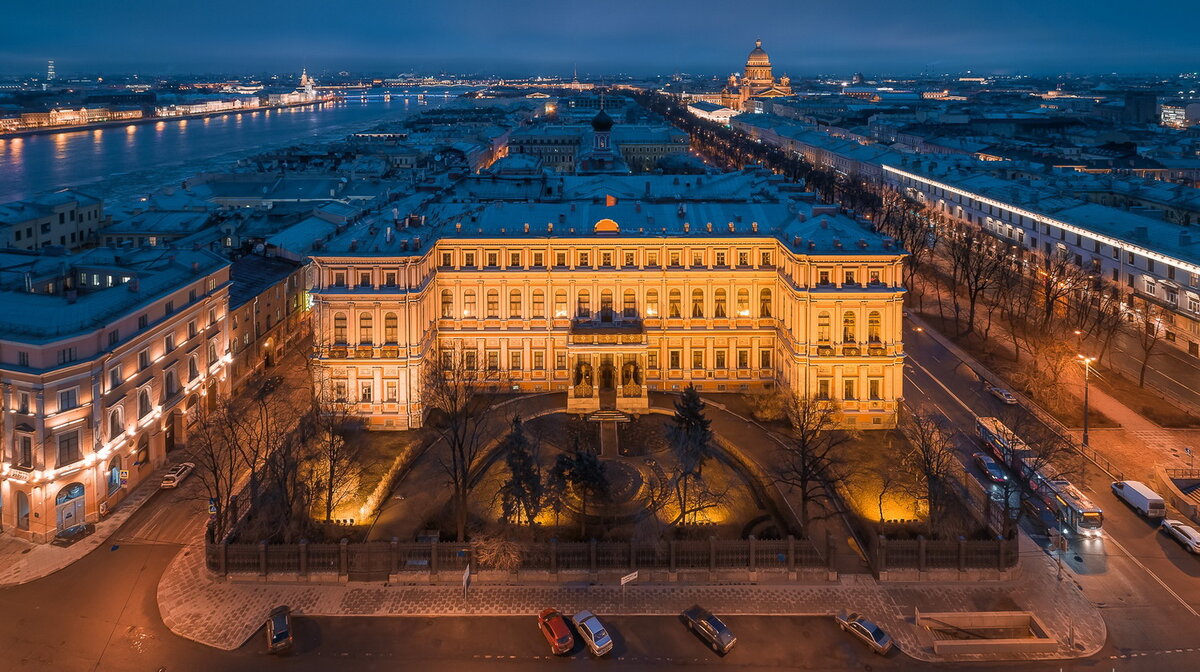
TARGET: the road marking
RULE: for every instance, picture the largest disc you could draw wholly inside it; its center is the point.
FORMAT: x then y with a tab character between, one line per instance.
942	385
914	384
1153	576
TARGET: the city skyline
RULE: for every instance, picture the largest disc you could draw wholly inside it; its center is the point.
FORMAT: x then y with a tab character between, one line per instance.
599	38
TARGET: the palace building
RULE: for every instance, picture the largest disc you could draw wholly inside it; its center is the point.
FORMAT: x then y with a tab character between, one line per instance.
757	81
607	287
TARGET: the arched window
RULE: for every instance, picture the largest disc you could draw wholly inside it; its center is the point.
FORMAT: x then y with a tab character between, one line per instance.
719	301
339	327
365	334
606	301
144	406
629	304
697	303
114	475
764	303
583	305
743	303
447	303
193	368
493	303
170	384
391	328
560	303
469	303
514	304
848	327
651	303
675	304
116	424
823	327
874	327
539	303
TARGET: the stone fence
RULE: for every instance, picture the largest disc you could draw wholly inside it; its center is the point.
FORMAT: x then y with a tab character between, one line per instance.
904	557
436	562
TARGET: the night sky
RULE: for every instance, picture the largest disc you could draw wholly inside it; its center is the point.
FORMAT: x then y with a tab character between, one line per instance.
643	37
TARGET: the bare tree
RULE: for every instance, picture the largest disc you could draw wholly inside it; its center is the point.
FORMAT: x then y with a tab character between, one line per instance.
339	457
455	390
930	461
1148	331
810	459
217	461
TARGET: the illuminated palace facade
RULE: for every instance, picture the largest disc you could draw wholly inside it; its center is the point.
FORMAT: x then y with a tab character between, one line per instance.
607	288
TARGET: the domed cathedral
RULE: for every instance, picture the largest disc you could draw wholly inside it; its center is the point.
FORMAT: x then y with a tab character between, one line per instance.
757	81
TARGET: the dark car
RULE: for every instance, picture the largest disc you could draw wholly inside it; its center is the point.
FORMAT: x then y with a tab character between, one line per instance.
873	635
279	629
703	622
72	534
990	468
554	628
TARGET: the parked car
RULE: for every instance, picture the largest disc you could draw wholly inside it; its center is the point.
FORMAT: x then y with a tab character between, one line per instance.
709	627
991	468
269	385
1141	498
1001	394
593	633
872	634
177	473
554	628
279	630
1183	533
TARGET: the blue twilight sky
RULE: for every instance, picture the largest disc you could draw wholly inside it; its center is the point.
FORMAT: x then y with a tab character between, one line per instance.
803	37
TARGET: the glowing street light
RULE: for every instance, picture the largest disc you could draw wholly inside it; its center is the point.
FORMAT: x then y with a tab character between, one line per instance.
1087	369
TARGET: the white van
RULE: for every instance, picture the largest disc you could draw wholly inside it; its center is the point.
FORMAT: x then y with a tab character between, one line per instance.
1140	497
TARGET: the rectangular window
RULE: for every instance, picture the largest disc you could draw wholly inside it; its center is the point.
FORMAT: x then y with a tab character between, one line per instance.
447	259
560	258
764	359
469	260
514	360
743	258
822	277
606	259
538	259
391	391
697	359
584	259
144	359
364	279
720	258
719	356
364	394
766	259
875	387
560	360
470	360
142	321
850	278
652	258
514	258
390	279
65	356
169	308
22	358
697	258
539	360
68	448
23	402
675	359
652	360
493	259
169	342
339	279
824	385
848	389
674	258
114	378
68	399
743	359
629	259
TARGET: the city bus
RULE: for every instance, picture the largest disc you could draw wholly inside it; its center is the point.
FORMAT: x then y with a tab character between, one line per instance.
1072	508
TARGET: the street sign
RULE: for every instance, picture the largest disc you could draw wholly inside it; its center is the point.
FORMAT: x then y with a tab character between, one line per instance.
212	508
629	578
124	474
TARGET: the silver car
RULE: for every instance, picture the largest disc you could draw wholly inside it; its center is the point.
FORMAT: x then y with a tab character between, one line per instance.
872	634
1183	533
176	474
593	632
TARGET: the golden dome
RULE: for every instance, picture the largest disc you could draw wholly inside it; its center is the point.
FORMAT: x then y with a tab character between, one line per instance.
758	56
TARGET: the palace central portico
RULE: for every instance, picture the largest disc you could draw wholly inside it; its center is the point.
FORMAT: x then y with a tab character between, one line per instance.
609	287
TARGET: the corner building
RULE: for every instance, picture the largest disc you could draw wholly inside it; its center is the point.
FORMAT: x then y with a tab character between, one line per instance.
608	287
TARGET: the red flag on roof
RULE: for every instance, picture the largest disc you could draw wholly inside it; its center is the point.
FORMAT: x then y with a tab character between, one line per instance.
610	200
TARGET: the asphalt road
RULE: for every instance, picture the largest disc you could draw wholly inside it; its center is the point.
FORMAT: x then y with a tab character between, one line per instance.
1148	587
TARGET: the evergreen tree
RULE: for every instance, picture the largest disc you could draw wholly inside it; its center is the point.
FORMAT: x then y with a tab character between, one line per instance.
521	494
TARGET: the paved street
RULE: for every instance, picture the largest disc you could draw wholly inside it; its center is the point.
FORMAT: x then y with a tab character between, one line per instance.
1146	585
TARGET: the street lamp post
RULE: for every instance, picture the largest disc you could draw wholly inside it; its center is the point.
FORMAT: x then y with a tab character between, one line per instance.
1087	368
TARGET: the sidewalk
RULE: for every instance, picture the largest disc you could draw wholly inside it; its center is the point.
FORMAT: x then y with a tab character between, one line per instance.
225	615
22	561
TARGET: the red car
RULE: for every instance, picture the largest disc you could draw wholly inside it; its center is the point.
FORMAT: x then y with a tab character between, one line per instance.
554	628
